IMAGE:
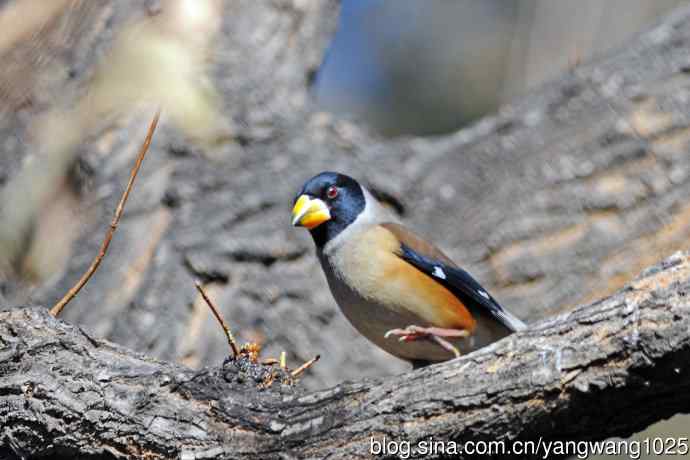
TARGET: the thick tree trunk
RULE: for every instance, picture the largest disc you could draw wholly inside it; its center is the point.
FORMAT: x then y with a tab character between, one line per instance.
606	369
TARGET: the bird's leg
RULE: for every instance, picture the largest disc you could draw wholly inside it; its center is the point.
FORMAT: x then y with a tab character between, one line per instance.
437	334
446	345
417	332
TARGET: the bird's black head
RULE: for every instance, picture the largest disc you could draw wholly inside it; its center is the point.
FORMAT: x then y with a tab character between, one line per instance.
327	204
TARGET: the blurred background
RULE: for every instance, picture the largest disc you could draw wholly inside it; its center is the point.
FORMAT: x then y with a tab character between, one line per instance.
80	79
413	67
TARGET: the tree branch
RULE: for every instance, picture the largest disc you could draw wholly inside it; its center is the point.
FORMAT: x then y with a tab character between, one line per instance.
606	369
74	290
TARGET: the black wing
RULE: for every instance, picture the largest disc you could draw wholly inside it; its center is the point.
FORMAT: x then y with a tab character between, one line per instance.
461	284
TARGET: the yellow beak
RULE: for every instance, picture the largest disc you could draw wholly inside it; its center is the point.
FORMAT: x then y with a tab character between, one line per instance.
309	212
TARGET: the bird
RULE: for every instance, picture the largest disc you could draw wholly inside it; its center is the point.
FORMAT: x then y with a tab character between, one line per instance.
391	283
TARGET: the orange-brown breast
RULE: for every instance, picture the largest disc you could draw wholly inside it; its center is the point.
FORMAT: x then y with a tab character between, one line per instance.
377	271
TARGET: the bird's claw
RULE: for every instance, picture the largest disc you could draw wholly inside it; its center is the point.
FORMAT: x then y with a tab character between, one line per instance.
436	334
401	332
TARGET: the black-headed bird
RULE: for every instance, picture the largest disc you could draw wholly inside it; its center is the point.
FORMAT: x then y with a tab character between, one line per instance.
392	284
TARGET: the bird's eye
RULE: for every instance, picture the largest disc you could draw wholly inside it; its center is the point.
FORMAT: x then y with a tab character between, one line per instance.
332	192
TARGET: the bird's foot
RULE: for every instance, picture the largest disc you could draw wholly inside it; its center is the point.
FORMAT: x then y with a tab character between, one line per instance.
437	334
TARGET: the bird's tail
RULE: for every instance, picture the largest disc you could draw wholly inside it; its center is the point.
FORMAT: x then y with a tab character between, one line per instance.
510	320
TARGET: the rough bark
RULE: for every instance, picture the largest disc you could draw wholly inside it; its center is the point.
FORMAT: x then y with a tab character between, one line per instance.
605	369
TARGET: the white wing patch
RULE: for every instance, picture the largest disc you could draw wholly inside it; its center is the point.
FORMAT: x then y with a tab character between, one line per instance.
484	294
439	273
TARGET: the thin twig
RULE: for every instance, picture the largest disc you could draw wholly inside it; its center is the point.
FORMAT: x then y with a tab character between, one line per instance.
72	293
305	366
231	339
283	360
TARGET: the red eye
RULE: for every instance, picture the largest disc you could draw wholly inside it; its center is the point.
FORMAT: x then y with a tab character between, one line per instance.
332	192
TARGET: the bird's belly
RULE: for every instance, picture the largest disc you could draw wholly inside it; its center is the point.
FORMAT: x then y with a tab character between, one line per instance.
376	306
373	321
